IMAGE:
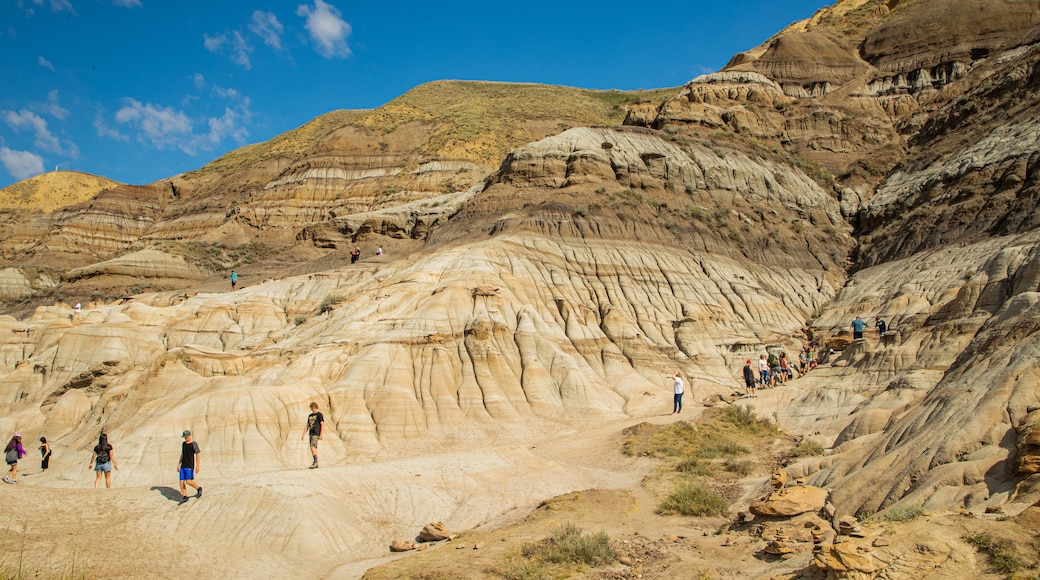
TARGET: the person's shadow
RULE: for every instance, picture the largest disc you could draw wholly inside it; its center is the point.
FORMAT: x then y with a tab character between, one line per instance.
167	492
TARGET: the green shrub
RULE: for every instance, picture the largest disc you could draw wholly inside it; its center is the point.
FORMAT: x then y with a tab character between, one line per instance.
721	448
694	499
741	467
695	466
904	514
569	544
1001	552
743	418
299	319
808	448
329	301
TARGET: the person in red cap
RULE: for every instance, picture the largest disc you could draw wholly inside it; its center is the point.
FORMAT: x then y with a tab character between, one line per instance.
749	380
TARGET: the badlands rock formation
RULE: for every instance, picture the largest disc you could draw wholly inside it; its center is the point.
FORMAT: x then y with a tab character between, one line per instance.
544	277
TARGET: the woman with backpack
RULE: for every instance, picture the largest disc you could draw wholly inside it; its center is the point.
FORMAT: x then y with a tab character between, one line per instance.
103	460
45	454
12	453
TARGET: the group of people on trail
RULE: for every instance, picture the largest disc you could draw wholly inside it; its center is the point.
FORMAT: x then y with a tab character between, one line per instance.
103	457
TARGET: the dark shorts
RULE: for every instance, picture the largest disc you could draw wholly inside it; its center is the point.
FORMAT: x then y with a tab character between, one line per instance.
314	441
856	335
187	474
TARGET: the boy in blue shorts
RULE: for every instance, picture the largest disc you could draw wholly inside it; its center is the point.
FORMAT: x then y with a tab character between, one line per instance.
188	466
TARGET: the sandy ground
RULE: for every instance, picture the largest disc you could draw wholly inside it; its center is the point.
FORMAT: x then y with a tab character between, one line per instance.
333	522
337	522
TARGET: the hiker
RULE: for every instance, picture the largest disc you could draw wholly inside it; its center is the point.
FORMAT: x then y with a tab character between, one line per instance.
786	365
880	325
189	466
379	251
774	370
749	380
857	327
677	387
763	370
316	430
810	356
77	308
234	280
803	362
12	453
103	460
355	255
45	454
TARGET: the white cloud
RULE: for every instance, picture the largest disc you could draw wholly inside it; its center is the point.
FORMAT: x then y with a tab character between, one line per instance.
56	5
45	63
235	43
328	29
199	80
103	130
169	128
127	3
266	26
21	164
53	108
164	127
25	120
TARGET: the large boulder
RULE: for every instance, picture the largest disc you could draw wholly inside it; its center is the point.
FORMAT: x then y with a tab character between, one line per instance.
791	501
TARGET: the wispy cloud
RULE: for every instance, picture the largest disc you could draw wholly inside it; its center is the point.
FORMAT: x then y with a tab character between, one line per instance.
105	130
327	28
45	63
21	164
234	42
53	107
267	27
26	120
168	128
55	5
127	3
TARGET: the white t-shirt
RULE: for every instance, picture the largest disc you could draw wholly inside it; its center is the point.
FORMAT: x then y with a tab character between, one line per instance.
678	386
763	365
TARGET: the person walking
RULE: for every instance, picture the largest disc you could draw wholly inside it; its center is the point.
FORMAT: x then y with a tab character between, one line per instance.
880	325
189	466
45	454
12	453
857	327
234	280
763	370
677	387
103	459
316	431
749	380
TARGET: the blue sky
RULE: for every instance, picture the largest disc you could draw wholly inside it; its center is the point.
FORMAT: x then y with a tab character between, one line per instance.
140	90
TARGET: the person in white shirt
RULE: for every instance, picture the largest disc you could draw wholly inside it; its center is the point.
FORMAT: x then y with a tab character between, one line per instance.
678	387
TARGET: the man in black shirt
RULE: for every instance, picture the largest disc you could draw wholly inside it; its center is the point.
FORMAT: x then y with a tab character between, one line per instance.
316	430
188	466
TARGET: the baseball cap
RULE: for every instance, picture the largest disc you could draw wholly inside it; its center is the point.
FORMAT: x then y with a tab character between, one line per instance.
185	433
748	362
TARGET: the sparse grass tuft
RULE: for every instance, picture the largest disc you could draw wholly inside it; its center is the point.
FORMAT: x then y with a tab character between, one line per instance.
695	466
569	544
741	467
744	419
1001	552
903	514
808	448
694	499
329	301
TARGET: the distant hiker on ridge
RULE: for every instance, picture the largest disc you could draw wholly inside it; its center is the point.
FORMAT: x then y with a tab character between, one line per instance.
234	280
316	430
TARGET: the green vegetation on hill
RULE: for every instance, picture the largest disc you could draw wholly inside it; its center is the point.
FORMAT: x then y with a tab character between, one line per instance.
477	121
